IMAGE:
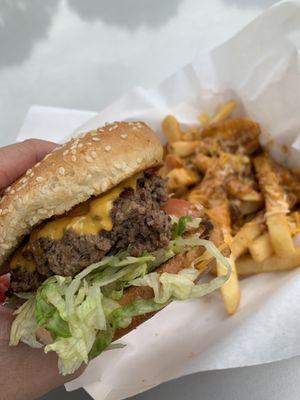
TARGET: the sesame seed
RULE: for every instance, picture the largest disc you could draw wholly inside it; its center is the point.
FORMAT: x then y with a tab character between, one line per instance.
99	130
31	175
65	152
107	148
94	154
39	179
47	156
88	159
89	143
73	151
135	128
95	139
124	136
23	180
36	165
73	158
13	192
61	170
80	145
8	189
29	171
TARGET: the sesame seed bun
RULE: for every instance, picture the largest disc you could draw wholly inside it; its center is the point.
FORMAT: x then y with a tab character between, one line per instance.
83	167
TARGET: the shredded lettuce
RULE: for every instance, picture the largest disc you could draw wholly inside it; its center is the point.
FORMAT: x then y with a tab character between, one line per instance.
82	313
25	325
178	228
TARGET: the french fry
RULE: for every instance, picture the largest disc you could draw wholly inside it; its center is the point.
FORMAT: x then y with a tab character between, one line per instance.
261	248
171	128
224	111
184	149
276	207
191	133
247	266
240	135
231	292
180	177
202	162
287	178
250	231
204	119
173	161
242	190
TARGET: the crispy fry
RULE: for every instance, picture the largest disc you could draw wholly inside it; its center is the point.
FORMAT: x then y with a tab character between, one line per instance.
247	266
246	235
191	133
202	162
239	135
173	161
287	178
171	128
180	177
294	222
184	149
204	119
261	248
243	190
231	292
220	216
224	111
276	207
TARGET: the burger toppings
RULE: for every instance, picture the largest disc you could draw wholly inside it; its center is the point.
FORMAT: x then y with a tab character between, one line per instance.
138	224
84	314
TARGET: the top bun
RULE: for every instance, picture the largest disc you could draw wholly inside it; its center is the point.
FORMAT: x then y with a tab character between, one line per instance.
83	167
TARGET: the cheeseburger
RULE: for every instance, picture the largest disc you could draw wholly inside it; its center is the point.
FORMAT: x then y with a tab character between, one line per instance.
94	245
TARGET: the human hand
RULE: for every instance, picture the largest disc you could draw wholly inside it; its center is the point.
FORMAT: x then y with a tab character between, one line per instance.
25	373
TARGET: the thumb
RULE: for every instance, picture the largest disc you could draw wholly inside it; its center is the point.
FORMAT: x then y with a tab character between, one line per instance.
17	158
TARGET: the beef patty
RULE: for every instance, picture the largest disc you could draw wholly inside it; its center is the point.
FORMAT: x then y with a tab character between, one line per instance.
138	224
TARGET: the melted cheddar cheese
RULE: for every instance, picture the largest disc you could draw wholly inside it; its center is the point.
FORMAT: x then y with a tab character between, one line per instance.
94	215
88	218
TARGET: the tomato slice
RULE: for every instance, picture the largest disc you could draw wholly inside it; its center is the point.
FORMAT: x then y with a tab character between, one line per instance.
181	208
4	286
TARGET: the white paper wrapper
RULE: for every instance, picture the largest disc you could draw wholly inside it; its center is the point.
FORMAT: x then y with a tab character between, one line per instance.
260	68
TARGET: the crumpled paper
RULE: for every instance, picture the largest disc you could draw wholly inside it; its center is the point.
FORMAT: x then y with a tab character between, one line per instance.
260	68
